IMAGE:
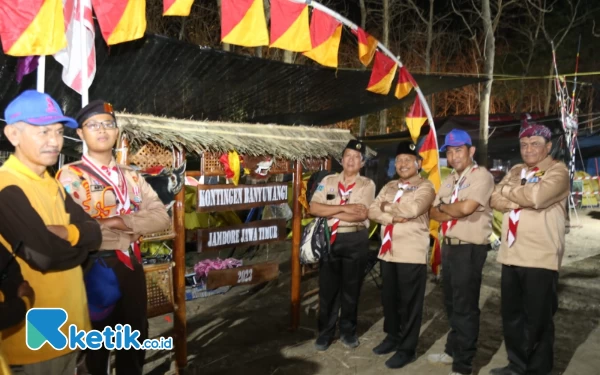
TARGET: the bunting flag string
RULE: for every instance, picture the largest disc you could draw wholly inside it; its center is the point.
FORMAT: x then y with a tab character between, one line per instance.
177	7
367	45
430	155
382	75
406	83
29	28
120	20
289	26
243	23
325	36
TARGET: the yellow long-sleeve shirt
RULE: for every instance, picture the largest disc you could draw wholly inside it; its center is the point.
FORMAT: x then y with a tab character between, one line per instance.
51	265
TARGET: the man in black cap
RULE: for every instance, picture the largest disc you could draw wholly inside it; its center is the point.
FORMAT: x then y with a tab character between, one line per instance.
402	209
344	199
126	207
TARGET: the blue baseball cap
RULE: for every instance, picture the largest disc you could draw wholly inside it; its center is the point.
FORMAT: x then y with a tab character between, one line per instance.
456	138
36	108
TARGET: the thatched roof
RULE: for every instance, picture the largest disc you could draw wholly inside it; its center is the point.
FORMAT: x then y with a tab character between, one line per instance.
289	142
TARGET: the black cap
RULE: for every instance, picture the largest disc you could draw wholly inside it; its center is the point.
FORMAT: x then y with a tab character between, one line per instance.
95	107
407	148
356	145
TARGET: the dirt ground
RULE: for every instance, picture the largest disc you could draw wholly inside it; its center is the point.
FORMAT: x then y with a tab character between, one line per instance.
245	331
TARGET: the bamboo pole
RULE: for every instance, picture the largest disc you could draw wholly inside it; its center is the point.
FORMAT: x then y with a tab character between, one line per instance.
296	236
179	276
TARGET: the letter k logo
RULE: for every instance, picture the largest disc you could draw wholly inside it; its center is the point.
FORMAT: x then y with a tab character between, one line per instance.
43	325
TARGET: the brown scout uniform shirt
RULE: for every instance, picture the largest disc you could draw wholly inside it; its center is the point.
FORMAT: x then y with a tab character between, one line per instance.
478	185
540	241
362	193
148	215
410	240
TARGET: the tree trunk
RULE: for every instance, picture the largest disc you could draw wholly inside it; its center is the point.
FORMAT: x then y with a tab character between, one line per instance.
182	29
549	91
385	40
488	68
288	57
226	46
363	21
429	39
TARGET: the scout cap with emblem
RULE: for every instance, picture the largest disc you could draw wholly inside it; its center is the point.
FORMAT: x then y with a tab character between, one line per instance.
37	109
95	107
407	147
456	138
356	145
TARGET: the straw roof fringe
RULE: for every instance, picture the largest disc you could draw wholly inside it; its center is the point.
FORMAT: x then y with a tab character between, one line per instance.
289	142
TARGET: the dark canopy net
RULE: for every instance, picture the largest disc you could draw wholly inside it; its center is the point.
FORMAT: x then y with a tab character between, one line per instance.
165	77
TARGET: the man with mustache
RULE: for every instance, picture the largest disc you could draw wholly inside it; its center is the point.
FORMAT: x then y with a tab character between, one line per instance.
126	207
47	232
462	206
402	209
533	197
344	198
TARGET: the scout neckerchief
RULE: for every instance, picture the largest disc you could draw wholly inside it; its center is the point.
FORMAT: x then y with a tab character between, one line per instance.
345	195
513	217
386	243
119	186
447	225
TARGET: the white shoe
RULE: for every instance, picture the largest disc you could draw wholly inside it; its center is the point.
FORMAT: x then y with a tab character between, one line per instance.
456	373
443	359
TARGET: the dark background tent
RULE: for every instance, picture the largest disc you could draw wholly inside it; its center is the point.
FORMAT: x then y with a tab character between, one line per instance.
165	77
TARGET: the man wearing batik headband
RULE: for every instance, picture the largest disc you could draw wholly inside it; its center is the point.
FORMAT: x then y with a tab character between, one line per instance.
126	207
533	197
344	198
402	209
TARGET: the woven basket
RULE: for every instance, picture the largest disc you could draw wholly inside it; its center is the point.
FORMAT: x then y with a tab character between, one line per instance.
159	288
152	155
210	165
167	234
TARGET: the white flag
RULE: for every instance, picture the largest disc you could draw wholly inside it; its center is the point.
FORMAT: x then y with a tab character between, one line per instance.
70	57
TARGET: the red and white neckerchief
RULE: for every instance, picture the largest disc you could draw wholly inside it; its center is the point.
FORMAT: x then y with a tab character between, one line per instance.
345	195
117	181
447	225
513	217
386	243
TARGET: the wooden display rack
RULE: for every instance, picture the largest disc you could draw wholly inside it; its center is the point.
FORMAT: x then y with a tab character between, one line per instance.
164	142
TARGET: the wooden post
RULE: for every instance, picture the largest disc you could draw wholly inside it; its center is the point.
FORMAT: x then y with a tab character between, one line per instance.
296	236
328	164
179	277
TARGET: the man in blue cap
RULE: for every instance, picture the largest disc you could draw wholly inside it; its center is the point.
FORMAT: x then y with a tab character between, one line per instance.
462	206
47	232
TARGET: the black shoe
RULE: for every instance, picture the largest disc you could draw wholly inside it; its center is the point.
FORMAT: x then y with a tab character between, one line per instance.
350	342
385	347
399	360
322	343
503	371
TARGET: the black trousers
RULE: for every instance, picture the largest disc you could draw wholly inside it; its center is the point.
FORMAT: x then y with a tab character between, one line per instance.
130	309
341	276
462	266
402	296
529	302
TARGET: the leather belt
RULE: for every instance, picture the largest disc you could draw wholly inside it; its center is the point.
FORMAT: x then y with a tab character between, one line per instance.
356	228
455	241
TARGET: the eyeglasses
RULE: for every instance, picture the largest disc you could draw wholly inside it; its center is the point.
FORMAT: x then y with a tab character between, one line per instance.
105	124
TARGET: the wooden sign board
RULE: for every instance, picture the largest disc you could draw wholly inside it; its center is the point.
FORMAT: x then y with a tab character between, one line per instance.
254	274
254	233
212	198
